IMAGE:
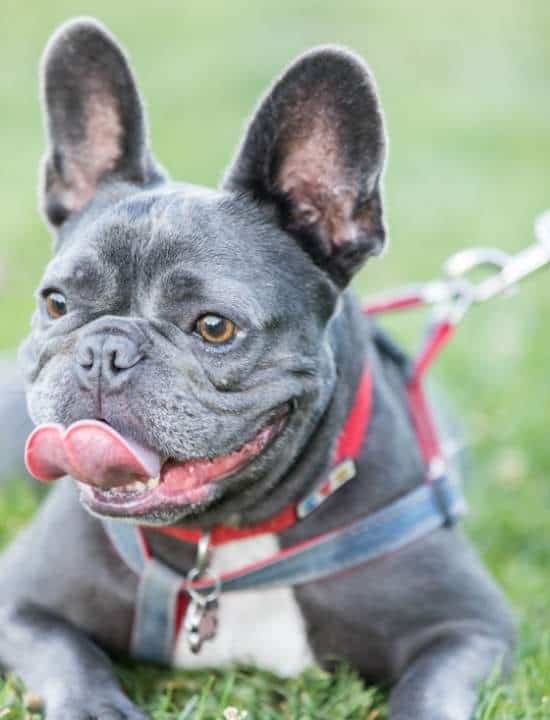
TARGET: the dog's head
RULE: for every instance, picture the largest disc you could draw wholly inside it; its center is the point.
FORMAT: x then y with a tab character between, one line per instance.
179	354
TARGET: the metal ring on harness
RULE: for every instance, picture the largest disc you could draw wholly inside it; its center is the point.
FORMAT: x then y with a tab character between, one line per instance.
198	596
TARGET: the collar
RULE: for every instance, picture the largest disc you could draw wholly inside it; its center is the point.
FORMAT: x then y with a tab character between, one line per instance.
348	447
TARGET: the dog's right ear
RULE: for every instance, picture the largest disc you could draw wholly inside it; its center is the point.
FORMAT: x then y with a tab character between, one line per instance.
94	118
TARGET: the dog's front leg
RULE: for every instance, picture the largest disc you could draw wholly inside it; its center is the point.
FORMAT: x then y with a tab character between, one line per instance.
62	585
73	676
444	679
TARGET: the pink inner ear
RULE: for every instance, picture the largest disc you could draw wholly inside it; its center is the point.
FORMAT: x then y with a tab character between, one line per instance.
98	153
313	175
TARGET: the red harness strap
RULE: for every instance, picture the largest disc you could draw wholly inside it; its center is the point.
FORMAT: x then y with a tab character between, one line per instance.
424	425
354	432
348	446
437	339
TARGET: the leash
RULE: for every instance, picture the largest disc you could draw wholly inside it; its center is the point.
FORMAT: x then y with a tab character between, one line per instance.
166	600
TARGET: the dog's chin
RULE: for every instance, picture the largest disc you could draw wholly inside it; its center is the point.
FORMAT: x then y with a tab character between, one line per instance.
184	490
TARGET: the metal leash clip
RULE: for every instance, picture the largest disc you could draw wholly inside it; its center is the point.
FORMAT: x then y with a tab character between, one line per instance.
201	618
453	294
509	269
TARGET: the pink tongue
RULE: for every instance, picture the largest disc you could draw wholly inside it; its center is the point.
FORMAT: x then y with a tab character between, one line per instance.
91	452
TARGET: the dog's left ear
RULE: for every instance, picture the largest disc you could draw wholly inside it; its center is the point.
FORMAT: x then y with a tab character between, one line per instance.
315	150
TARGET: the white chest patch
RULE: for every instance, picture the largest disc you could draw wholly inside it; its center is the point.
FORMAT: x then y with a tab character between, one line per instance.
264	628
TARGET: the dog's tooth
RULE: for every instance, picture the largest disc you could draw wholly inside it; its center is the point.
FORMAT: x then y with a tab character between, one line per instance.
136	486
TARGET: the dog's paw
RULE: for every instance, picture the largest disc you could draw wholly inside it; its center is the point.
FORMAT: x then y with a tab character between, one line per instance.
96	707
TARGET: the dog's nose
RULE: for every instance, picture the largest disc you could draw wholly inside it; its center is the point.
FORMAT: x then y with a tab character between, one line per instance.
107	358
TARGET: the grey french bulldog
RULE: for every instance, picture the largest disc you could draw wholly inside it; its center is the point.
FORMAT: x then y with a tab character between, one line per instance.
190	321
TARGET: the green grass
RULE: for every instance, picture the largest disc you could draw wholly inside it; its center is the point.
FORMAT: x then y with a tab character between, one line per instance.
465	88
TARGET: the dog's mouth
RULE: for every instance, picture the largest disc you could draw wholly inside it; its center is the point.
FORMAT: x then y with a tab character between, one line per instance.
121	478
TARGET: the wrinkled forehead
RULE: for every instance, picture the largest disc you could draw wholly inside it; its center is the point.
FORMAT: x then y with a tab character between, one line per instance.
185	241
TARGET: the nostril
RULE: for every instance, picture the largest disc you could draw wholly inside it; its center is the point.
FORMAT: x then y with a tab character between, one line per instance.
124	358
86	358
115	364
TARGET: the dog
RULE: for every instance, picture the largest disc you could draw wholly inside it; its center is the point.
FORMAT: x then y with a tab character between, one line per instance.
194	358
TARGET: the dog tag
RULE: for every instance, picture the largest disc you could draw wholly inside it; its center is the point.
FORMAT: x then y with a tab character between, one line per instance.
201	622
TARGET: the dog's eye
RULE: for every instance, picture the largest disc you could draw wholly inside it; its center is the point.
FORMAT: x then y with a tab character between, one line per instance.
216	329
56	304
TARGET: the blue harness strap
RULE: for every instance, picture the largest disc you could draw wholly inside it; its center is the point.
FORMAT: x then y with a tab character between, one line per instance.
157	596
127	543
414	515
156	612
409	518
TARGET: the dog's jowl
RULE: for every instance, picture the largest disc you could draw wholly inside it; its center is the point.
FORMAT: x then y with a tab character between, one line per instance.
244	482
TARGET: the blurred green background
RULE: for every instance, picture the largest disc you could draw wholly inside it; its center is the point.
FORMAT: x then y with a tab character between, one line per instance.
466	90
